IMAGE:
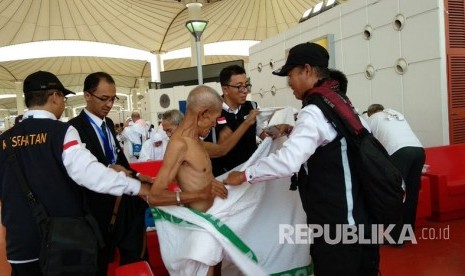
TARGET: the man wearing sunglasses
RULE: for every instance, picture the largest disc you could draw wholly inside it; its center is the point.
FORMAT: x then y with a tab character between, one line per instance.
236	108
121	219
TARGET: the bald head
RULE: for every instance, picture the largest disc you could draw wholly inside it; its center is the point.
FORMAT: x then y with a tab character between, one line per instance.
203	97
135	116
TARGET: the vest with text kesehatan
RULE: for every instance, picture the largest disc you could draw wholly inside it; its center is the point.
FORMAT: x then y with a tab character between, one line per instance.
38	144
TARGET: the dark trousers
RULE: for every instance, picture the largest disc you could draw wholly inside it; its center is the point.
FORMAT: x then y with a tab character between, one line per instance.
26	269
409	161
344	259
131	231
127	235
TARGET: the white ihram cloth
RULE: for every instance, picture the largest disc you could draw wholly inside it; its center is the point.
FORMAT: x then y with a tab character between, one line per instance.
151	152
134	134
191	241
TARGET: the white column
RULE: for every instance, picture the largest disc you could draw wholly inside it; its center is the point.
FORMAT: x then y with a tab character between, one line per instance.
156	66
68	112
134	99
141	85
19	97
141	90
193	52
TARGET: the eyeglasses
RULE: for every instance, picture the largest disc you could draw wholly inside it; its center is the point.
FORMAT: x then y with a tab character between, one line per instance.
106	99
60	94
241	88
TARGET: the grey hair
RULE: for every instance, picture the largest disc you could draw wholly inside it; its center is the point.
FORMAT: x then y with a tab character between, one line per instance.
174	116
203	96
321	72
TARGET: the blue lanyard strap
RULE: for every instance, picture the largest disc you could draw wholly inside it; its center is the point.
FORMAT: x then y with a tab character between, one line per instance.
106	144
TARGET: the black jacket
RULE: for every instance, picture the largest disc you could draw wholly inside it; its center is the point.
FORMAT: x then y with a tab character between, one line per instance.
130	218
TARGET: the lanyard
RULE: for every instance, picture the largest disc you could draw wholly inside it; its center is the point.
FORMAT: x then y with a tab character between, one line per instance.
106	144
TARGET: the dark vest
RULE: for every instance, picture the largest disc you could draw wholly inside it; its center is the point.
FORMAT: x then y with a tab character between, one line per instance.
39	145
243	149
330	189
324	190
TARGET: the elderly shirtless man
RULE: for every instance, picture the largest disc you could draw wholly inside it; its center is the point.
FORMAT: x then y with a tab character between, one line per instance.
186	159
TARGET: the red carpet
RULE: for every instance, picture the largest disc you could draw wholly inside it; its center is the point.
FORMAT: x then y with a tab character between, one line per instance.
430	257
435	254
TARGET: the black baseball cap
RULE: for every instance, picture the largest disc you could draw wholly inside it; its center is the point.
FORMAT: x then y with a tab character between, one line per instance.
42	80
305	53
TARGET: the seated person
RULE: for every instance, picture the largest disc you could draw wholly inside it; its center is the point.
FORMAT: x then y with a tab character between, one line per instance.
154	148
171	120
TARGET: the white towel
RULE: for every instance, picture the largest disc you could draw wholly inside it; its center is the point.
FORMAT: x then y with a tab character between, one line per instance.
242	231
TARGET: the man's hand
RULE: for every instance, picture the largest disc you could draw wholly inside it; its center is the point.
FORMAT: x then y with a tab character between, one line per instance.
120	168
218	189
235	178
251	118
145	178
279	130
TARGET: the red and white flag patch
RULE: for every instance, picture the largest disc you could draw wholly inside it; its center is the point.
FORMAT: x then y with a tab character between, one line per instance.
221	120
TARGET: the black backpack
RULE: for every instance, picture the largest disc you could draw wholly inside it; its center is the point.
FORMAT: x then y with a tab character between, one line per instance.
380	180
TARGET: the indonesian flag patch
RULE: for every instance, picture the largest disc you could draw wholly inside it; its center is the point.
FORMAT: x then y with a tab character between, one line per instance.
221	120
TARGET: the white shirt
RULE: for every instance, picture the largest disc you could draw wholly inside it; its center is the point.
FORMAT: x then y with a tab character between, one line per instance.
311	131
98	123
84	168
392	130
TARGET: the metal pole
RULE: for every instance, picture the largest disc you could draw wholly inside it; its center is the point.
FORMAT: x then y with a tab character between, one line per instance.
199	63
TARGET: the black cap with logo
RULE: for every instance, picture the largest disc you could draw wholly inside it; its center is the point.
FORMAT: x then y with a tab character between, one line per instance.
305	53
42	80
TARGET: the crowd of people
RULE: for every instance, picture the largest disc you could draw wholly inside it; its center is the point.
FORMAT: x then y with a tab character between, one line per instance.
84	164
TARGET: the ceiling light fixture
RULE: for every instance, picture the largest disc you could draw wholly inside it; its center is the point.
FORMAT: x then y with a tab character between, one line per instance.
319	8
196	28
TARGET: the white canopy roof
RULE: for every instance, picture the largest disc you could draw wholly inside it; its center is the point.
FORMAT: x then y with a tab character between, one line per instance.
156	26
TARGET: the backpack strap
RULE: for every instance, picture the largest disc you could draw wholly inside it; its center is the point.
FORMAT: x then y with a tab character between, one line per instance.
317	100
339	104
338	109
38	210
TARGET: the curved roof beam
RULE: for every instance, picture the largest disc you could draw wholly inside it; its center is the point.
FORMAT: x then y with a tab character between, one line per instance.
167	29
9	72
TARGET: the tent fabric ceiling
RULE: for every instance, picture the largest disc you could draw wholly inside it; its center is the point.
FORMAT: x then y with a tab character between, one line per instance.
157	26
67	67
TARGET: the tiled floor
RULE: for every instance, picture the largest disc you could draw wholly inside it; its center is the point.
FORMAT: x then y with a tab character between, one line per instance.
440	251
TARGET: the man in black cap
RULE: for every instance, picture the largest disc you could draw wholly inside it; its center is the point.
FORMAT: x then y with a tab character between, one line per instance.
330	193
54	163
